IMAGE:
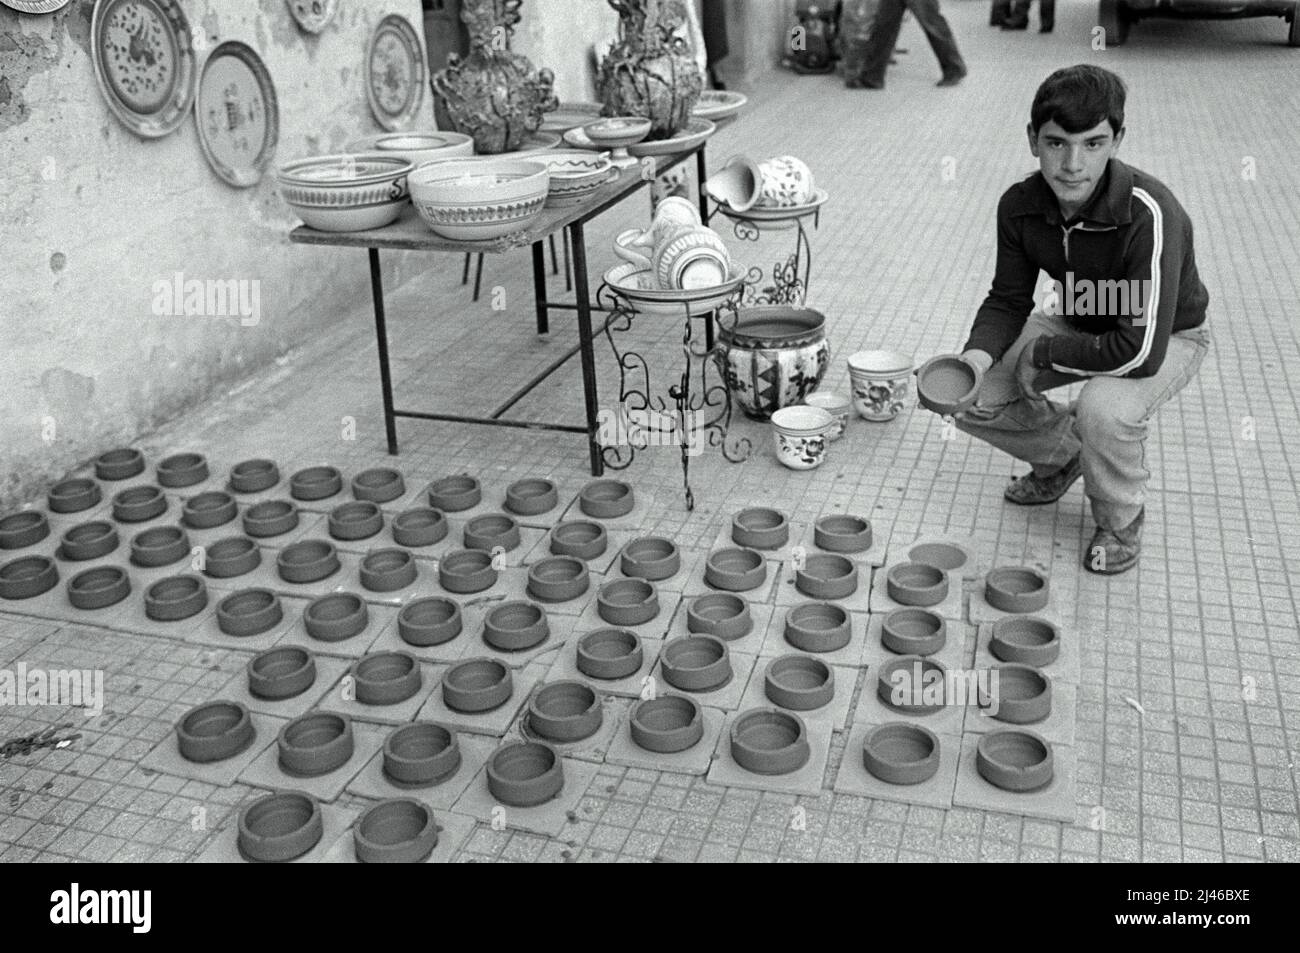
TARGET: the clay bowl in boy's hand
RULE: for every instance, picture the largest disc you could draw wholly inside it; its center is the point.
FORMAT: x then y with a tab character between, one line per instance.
948	384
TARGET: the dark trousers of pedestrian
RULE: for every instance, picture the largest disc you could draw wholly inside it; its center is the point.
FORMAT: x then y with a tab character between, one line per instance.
1017	15
889	20
999	12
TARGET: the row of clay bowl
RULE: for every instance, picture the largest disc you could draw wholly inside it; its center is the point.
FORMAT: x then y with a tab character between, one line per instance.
907	753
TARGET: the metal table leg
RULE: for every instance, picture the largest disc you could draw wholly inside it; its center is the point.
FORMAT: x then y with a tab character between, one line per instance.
701	174
583	295
381	339
539	288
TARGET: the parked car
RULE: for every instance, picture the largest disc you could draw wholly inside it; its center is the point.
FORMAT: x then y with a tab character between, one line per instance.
1115	16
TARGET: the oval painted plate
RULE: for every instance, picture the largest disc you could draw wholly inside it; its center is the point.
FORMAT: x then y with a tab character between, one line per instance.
719	104
144	63
313	15
236	114
570	116
696	132
395	72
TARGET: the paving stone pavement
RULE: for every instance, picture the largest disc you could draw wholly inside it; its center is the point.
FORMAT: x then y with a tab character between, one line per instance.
1188	693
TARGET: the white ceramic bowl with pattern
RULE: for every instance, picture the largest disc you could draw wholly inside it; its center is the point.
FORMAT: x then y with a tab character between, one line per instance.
347	192
479	199
837	405
801	434
575	174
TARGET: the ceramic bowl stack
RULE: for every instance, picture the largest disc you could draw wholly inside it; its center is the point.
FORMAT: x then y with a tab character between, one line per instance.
345	192
575	174
480	198
801	434
417	147
882	381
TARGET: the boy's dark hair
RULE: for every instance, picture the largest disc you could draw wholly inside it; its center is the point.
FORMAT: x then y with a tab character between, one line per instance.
1078	98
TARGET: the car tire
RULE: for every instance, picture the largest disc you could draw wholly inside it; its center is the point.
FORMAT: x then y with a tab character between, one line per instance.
1114	18
1293	34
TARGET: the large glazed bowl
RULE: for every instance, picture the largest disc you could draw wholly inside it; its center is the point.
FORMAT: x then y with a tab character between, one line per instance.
773	357
346	192
479	199
417	147
575	174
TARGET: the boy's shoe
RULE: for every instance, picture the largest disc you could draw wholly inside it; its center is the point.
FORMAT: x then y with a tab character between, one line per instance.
857	82
1115	551
1032	490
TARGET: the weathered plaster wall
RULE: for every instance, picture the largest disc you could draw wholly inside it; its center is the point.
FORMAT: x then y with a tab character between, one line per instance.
559	34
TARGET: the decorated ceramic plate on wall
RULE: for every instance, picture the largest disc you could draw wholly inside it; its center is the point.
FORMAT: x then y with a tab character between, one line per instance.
313	15
236	113
395	72
144	63
35	6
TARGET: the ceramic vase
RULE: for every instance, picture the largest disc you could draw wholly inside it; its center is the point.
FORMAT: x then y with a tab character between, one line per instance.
651	71
773	357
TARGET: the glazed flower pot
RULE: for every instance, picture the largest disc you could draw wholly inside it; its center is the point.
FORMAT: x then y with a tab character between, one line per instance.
943	556
97	588
429	621
335	617
760	528
181	470
627	601
19	530
466	571
232	557
492	531
827	576
160	546
477	685
278	674
882	382
249	612
421	754
1014	759
455	493
73	496
356	520
947	384
558	579
88	541
651	557
773	357
309	560
208	510
515	626
280	827
214	731
119	464
841	533
667	724
270	518
818	627
735	570
378	485
721	615
606	499
837	405
799	682
916	584
579	539
1017	589
901	753
525	773
395	831
770	741
254	476
386	678
913	631
421	526
1019	695
1028	640
800	435
913	684
315	483
138	504
610	654
175	598
565	711
387	570
27	576
696	663
531	497
315	743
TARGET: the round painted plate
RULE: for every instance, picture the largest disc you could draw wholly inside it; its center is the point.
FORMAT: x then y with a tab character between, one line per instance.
696	132
313	15
35	7
570	116
769	213
236	114
395	72
144	63
719	104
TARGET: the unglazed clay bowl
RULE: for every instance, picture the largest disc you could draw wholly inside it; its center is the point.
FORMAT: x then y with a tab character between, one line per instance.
455	493
214	731
913	684
735	570
492	531
1017	694
651	557
838	406
769	741
479	198
306	561
88	541
799	682
233	556
477	685
610	654
73	496
387	570
315	743
558	579
901	752
696	663
913	631
627	601
278	674
270	518
159	546
138	504
386	678
525	773
916	584
421	754
1028	640
359	519
97	588
579	539
760	528
1014	759
378	485
420	526
947	384
719	614
564	711
515	626
432	620
396	831
531	497
208	510
667	724
827	576
280	827
842	533
121	464
606	499
19	530
254	476
945	556
1016	589
181	470
315	483
346	192
466	571
818	627
28	576
335	616
175	598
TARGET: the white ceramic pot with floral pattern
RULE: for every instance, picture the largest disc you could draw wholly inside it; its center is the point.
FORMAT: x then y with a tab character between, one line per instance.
773	356
882	383
801	434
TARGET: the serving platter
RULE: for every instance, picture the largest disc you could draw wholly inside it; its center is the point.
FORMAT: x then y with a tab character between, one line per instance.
696	132
639	287
236	113
775	213
144	63
395	72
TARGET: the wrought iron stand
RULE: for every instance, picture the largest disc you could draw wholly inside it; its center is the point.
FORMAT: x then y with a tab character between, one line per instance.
788	282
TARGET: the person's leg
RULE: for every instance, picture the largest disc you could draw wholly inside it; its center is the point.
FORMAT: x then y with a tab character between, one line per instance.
884	33
998	12
1017	17
939	34
1046	15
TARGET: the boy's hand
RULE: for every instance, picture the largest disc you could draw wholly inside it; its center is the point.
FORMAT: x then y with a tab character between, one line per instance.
980	360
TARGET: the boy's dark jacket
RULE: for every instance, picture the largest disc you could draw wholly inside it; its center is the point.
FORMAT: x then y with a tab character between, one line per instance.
1132	229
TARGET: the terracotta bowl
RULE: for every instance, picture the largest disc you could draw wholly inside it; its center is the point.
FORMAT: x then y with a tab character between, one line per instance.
19	530
466	571
315	483
1017	589
1028	640
696	663
606	499
386	678
579	539
234	556
842	533
280	827
565	711
159	546
916	584
1017	694
88	541
214	731
175	598
515	626
335	616
627	601
73	496
281	673
901	752
27	577
254	476
270	518
531	497
477	685
769	741
651	557
719	614
121	464
525	773
139	504
818	627
908	684
421	526
209	510
432	620
558	579
735	570
249	612
760	528
799	682
455	493
491	531
315	743
388	570
947	385
913	631
1014	759
827	576
378	485
181	470
667	724
359	519
309	560
395	831
96	588
945	556
421	754
610	654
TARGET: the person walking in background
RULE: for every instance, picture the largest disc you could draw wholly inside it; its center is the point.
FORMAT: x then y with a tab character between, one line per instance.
856	20
1017	15
714	24
884	34
999	12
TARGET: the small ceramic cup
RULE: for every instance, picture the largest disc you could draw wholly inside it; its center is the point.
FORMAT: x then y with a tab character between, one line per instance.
837	405
801	434
787	182
882	383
